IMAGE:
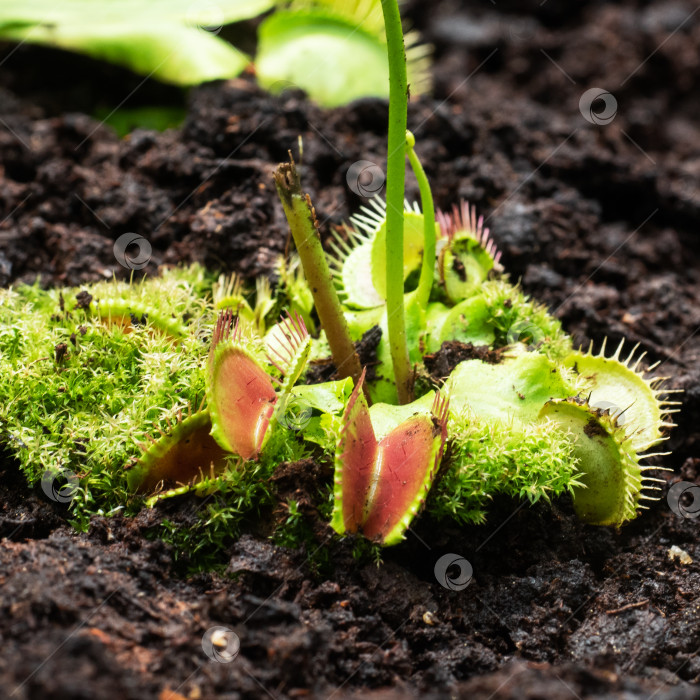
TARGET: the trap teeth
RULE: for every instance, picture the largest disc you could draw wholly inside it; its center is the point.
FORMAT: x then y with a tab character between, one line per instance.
622	382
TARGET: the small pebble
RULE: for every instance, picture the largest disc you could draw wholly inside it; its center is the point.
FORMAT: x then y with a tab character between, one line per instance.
676	552
429	618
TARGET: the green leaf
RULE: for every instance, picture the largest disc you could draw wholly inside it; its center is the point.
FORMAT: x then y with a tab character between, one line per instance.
468	322
125	120
331	58
328	397
166	40
79	12
412	249
515	390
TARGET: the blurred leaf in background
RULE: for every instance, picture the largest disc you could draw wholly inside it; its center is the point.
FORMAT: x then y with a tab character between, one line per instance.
334	50
173	41
125	120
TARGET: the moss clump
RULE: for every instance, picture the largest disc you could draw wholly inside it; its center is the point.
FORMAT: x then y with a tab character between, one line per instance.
79	390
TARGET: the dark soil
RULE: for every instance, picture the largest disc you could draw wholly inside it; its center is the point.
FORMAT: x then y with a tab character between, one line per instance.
452	352
600	222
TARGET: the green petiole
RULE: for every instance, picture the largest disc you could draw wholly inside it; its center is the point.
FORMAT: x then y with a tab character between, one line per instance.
395	184
302	222
427	272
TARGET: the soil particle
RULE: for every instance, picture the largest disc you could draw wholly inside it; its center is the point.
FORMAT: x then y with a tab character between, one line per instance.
594	429
452	352
84	300
324	370
60	352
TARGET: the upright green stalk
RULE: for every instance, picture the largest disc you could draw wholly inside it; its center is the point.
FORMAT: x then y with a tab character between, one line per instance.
425	284
395	182
302	221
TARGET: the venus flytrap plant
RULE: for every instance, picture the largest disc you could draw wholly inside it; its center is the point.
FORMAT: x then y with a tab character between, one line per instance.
511	424
386	460
240	393
468	257
529	417
531	394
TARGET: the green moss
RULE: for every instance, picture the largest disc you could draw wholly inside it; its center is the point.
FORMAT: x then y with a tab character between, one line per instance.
497	457
201	530
76	391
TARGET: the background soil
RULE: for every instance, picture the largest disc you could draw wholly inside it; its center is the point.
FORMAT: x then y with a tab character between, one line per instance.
599	221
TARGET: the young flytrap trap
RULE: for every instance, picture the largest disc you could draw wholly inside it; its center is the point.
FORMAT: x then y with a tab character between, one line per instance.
136	393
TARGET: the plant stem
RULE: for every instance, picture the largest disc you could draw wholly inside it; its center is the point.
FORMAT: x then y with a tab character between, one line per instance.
427	272
395	183
301	216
